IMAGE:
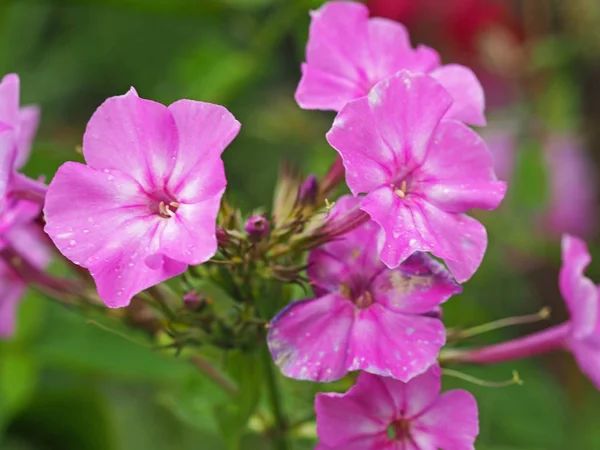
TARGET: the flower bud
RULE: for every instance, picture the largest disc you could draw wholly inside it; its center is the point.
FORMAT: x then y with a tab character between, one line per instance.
257	227
307	195
193	300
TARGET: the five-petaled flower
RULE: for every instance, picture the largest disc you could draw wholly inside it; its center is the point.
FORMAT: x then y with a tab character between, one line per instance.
145	205
348	53
381	413
420	170
365	316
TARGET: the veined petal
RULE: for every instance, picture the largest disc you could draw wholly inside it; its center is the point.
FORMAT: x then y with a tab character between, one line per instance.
337	46
416	396
29	118
416	286
406	109
133	135
458	173
364	411
452	423
466	91
320	89
101	220
368	161
580	293
204	130
309	339
393	344
9	101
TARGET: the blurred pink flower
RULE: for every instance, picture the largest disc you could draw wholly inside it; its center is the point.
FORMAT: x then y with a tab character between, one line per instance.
421	172
146	204
381	413
348	53
501	139
573	196
365	316
28	240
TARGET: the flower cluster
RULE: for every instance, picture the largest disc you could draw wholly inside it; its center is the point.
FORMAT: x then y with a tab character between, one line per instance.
148	206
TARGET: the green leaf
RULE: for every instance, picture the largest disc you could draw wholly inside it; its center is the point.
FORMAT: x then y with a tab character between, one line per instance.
18	380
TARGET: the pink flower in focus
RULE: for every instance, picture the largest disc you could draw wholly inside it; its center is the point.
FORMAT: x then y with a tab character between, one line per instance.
348	53
420	170
583	302
29	242
572	206
145	206
381	413
365	316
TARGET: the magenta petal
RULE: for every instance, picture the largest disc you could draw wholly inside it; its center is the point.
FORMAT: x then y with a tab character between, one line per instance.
204	131
11	291
580	294
309	339
417	286
190	235
412	398
29	118
467	93
378	442
587	355
134	135
101	220
394	344
367	159
406	108
389	47
7	161
458	173
9	101
452	423
335	54
364	411
319	89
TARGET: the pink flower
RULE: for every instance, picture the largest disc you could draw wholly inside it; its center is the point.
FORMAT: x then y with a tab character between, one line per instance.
583	302
580	335
381	413
573	186
348	53
17	130
145	206
29	242
365	316
420	171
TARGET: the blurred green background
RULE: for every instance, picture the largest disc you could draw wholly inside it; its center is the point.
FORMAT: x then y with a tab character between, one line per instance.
67	385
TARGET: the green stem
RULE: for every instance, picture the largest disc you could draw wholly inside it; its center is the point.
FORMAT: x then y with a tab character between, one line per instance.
280	436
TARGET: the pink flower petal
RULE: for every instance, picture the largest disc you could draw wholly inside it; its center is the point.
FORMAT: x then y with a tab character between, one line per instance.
411	225
406	108
190	236
102	220
452	423
11	291
417	286
133	135
379	442
309	339
335	53
7	161
458	174
466	91
9	101
29	118
367	159
587	355
393	344
204	131
364	411
580	294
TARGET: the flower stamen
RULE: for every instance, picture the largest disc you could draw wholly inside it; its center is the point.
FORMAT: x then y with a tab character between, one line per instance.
167	211
402	191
